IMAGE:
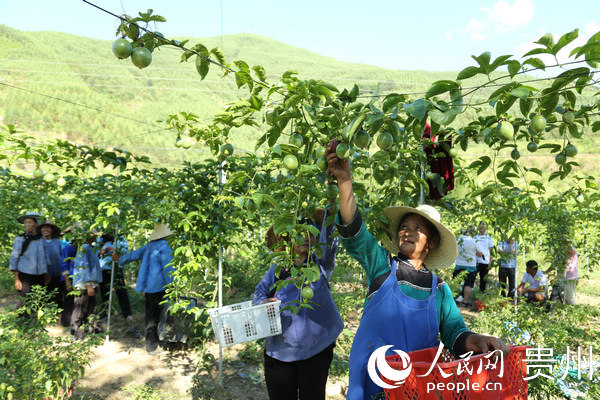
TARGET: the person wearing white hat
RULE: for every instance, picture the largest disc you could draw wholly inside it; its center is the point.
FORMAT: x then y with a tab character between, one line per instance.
156	272
28	257
407	306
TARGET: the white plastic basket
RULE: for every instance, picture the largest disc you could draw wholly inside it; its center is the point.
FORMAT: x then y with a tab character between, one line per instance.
243	322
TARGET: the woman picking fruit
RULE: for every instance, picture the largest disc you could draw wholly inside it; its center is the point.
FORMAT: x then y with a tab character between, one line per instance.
407	306
297	361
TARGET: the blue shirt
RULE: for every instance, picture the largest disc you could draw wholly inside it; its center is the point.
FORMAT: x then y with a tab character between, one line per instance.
310	331
106	259
86	267
156	270
52	248
67	256
32	261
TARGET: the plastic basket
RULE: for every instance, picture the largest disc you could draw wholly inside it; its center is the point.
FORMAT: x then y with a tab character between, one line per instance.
243	322
487	384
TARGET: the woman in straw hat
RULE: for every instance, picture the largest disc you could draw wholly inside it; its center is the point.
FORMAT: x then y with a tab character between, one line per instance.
51	238
154	275
407	306
28	258
297	361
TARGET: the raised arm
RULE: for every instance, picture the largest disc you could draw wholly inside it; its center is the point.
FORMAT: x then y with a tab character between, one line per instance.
340	169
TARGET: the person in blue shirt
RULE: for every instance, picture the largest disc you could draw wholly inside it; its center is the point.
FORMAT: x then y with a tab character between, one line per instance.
407	306
297	361
106	262
28	257
156	272
67	267
87	275
52	247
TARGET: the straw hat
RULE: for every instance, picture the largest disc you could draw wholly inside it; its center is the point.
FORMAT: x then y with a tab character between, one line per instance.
446	252
160	231
55	229
33	215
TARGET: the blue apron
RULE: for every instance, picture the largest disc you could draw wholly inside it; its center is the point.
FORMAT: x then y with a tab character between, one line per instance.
391	317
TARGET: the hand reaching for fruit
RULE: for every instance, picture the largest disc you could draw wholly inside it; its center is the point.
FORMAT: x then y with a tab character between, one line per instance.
338	167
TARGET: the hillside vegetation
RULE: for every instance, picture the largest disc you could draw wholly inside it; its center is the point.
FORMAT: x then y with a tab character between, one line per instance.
71	87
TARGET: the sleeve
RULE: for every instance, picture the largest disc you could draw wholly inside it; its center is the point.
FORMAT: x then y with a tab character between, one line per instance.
524	278
363	246
329	248
132	256
47	260
453	330
15	254
43	256
66	258
263	289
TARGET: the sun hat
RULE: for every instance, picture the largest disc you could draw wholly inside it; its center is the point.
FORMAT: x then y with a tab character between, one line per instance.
31	214
446	252
160	231
55	229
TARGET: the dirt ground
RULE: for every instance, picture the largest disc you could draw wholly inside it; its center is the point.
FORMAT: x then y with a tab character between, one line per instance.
121	367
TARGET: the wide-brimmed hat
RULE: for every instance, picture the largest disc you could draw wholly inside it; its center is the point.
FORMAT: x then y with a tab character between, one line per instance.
55	229
446	252
31	214
160	231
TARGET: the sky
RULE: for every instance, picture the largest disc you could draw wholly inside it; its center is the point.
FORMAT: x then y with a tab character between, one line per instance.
395	34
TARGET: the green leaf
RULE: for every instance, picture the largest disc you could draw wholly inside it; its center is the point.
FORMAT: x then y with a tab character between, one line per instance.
219	55
565	40
202	66
260	73
554	148
536	63
497	62
521	92
242	65
417	109
483	60
547	40
442	118
440	87
513	67
242	78
468	72
596	126
391	101
481	164
201	49
525	106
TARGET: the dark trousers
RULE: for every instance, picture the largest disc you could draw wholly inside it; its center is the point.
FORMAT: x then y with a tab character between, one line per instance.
27	280
304	378
83	308
505	274
57	288
68	303
482	271
120	290
153	308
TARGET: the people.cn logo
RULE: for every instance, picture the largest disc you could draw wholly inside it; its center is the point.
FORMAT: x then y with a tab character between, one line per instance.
393	375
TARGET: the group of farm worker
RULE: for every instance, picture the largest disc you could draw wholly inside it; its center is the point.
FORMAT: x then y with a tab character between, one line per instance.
475	257
407	305
75	263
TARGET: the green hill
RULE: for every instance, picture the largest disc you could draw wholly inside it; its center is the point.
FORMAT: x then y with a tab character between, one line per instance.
112	103
72	87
